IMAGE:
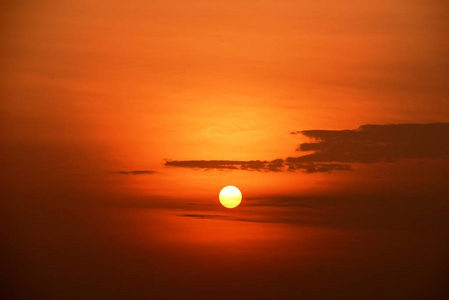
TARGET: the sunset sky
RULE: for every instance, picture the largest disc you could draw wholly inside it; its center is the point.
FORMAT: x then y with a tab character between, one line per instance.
121	121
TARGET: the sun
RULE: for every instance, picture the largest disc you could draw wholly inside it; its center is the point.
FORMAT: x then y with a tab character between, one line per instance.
230	196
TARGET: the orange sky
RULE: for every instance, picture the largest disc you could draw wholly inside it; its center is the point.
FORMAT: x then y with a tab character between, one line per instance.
90	89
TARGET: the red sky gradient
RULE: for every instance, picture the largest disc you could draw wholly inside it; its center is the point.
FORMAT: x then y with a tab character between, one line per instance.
120	121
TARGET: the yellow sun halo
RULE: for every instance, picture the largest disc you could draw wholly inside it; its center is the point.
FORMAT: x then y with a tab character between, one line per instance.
230	196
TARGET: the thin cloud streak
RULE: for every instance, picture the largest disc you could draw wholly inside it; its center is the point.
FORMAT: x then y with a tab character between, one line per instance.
231	218
277	165
252	165
136	172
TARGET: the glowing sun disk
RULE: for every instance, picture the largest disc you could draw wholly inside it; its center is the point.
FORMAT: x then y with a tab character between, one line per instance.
230	196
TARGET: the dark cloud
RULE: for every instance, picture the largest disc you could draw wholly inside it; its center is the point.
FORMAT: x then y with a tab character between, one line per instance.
376	143
136	172
333	150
